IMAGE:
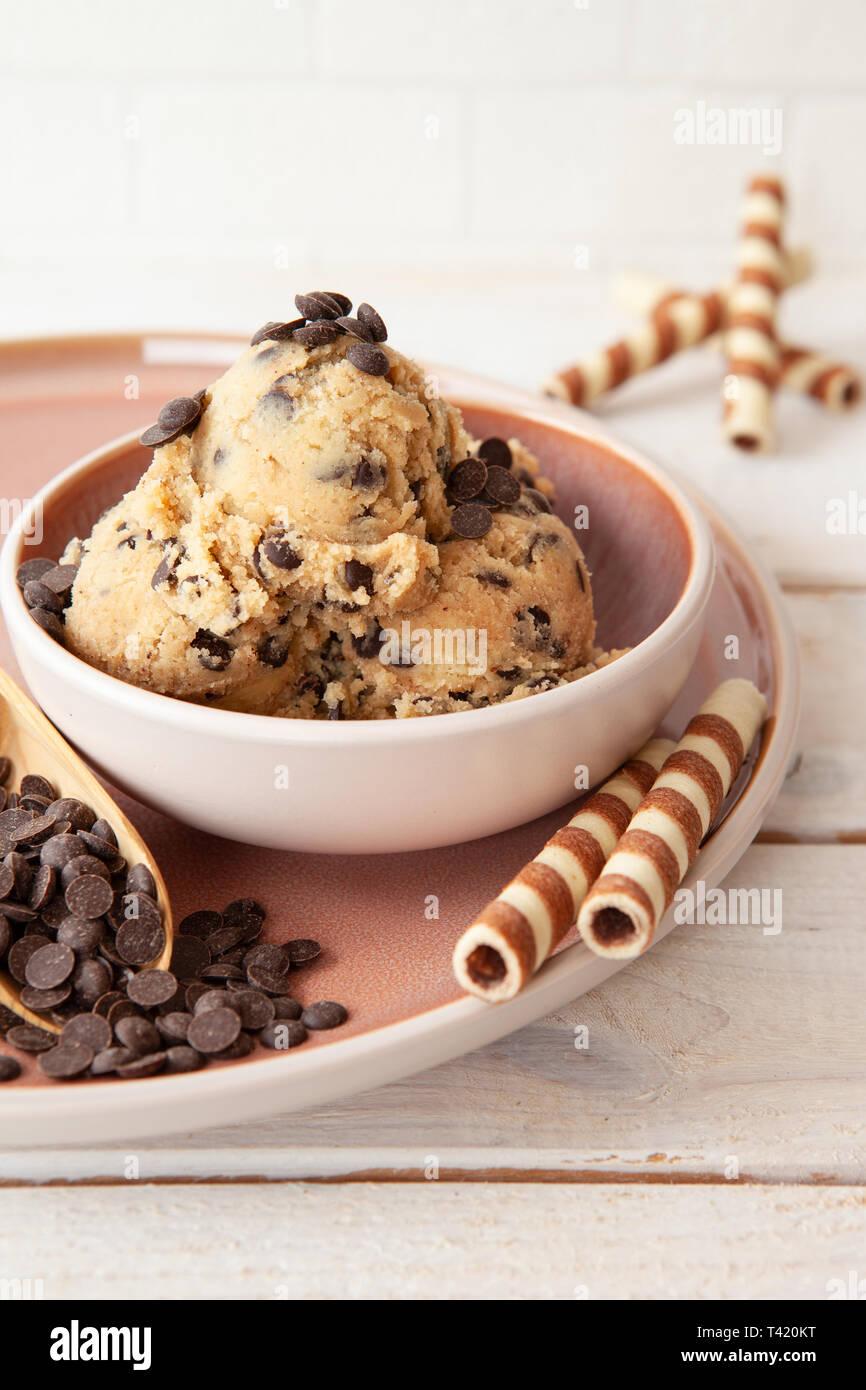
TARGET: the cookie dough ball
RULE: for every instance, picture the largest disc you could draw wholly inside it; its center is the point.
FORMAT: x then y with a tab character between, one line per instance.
342	471
513	614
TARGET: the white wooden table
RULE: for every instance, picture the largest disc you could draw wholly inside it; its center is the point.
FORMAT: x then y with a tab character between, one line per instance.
711	1140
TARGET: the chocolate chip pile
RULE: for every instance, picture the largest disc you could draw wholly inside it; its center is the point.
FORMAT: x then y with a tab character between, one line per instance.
480	485
78	927
47	590
324	316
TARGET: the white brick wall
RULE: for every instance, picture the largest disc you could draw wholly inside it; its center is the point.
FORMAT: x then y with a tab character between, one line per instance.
175	159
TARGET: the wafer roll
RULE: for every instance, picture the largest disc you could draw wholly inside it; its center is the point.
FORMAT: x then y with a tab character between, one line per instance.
681	322
673	326
512	936
625	905
750	339
833	384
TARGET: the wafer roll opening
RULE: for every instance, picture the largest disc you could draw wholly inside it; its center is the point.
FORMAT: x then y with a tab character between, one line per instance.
488	965
485	966
611	927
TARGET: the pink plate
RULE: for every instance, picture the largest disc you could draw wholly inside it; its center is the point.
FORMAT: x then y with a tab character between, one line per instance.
384	956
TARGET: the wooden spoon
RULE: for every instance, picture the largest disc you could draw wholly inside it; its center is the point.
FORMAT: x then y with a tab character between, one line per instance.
32	744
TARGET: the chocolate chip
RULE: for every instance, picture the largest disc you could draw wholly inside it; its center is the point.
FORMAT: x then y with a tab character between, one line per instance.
502	486
495	452
271	651
50	966
470	521
281	555
369	644
140	941
214	652
370	319
355	328
538	499
318	304
200	923
282	1034
91	980
28	1038
90	1029
49	622
33	569
343	300
89	896
174	1026
7	880
147	1065
241	1047
80	936
68	808
286	1008
164	574
367	476
60	850
581	578
325	1014
177	417
189	957
109	1059
152	987
272	957
368	358
256	1010
38	595
302	949
467	479
494	577
9	1068
102	849
225	938
66	1061
137	1033
42	886
222	970
84	864
41	1000
317	333
17	912
276	332
103	831
60	578
539	616
106	1002
279	401
181	1058
213	1031
141	880
358	576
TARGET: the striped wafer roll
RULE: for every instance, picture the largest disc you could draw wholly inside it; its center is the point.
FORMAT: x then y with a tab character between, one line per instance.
512	936
625	905
835	385
674	325
832	383
750	339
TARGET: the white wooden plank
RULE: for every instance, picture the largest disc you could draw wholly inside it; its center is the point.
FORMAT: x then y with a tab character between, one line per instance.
826	797
435	1241
722	1044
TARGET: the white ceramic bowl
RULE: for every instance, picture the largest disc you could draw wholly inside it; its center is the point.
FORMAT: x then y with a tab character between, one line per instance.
359	787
